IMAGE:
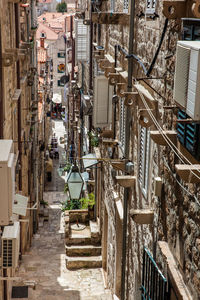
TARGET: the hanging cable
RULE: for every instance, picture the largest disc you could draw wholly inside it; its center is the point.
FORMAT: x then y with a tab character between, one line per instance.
168	141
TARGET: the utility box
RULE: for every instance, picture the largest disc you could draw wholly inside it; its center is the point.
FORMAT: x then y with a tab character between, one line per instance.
7	181
10	245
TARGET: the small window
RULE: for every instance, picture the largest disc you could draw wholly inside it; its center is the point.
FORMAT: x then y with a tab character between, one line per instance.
150	6
61	54
42	35
60	84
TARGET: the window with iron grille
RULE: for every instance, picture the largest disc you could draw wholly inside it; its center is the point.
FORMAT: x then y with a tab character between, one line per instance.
154	284
150	6
143	161
122	123
126	2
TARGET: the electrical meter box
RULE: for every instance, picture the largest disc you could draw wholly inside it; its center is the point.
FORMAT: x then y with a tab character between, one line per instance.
7	181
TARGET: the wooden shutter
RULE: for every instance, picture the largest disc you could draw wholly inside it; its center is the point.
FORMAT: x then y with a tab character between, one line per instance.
82	41
102	110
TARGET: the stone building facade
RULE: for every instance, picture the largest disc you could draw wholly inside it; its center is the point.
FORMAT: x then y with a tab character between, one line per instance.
18	115
144	128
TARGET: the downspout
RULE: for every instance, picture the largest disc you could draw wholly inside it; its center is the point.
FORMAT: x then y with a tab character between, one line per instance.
127	145
19	101
73	47
1	91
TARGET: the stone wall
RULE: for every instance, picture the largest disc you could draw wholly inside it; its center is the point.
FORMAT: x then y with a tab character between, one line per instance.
176	212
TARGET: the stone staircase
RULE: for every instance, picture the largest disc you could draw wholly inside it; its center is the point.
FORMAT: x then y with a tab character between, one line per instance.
83	248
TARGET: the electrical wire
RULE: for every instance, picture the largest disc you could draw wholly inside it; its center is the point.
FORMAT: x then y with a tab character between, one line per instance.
174	175
168	141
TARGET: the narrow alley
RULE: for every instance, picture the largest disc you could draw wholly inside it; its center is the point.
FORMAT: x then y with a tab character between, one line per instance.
43	267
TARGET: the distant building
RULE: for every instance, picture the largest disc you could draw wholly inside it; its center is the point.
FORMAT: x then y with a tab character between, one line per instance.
46	5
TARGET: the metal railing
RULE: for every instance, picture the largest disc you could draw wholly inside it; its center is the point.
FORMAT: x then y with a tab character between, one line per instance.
154	284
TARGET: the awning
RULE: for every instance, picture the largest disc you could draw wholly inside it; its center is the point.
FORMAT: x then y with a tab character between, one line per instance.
57	98
20	205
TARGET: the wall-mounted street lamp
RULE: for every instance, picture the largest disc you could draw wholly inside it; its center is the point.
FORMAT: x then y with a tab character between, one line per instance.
75	183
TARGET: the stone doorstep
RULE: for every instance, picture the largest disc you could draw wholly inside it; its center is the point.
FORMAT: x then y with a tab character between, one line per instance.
73	263
85	250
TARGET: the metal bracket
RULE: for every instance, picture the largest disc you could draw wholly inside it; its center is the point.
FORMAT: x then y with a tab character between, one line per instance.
130	98
174	9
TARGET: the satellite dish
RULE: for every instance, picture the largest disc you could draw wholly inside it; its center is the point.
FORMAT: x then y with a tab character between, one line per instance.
64	79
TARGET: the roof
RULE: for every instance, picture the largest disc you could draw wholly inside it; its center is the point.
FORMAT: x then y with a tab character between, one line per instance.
45	1
50	34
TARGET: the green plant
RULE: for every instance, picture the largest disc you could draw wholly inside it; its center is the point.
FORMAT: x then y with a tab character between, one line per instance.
67	167
71	204
44	203
61	7
66	188
88	202
93	137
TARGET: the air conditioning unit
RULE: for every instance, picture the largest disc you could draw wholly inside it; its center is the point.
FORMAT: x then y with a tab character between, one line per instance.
7	181
10	246
102	109
187	78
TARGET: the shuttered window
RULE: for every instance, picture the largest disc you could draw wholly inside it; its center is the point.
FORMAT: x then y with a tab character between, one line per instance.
150	6
82	41
144	153
122	123
125	9
189	135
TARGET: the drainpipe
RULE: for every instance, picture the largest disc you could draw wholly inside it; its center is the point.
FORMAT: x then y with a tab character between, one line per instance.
19	101
73	47
1	91
127	144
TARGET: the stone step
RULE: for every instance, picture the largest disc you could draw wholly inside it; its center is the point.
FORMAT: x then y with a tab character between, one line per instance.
83	250
75	262
78	241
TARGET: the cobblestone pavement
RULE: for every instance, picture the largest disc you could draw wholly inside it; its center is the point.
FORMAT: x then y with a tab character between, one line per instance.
44	263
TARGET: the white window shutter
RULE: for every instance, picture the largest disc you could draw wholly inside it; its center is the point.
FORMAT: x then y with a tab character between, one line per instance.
82	41
102	110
